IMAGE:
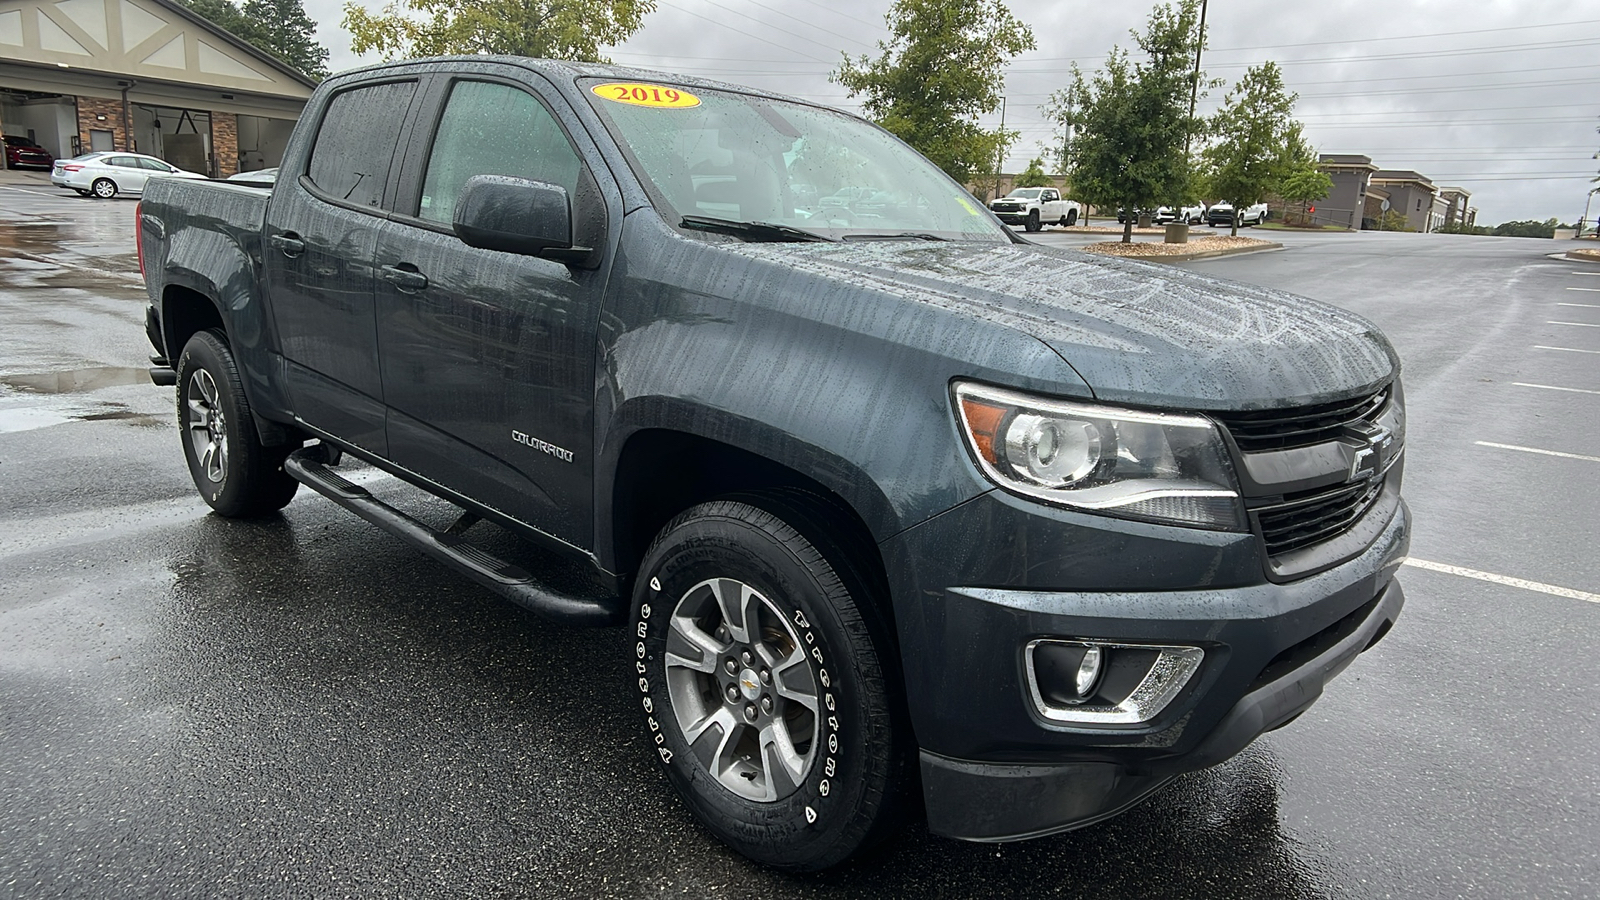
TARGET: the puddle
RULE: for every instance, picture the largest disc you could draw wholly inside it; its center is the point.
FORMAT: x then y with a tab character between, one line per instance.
76	381
30	418
30	237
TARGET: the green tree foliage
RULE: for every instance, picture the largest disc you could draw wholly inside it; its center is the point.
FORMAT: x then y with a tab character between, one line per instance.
942	65
1033	175
279	27
550	29
1303	183
1529	228
1393	220
1132	117
1257	145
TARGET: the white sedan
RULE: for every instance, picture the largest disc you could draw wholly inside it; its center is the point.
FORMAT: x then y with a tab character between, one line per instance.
106	175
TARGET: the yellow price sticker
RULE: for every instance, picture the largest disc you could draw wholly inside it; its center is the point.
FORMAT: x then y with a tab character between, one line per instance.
971	210
657	95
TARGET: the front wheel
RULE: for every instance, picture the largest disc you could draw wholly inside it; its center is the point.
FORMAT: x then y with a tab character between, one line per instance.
104	188
236	475
1033	220
766	691
1072	217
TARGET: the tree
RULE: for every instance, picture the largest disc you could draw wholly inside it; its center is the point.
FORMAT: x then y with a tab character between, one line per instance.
1303	183
1033	175
278	27
551	29
1132	117
942	65
1257	142
1393	220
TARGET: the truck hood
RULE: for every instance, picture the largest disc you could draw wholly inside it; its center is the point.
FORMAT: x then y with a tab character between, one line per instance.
1137	333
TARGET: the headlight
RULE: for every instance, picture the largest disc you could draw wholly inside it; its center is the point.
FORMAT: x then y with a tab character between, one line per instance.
1155	467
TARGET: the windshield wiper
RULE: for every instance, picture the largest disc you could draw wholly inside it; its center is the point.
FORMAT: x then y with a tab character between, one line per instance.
897	236
752	231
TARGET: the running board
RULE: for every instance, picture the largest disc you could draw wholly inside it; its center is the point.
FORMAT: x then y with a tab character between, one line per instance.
307	466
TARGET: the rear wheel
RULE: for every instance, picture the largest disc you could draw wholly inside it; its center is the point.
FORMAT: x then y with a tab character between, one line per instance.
235	474
766	690
104	188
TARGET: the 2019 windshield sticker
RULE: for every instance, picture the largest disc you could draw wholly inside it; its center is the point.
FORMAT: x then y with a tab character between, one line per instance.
656	95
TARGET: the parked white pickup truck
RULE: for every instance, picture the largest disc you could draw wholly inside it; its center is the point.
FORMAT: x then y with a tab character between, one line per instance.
1223	214
1033	208
1192	215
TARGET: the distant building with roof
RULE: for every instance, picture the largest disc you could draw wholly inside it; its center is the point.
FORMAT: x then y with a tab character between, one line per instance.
1412	194
1351	174
143	75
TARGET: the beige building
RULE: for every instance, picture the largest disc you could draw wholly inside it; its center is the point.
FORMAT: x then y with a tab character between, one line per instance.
143	75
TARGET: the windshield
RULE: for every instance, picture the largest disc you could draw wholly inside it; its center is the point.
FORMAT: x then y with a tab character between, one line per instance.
1024	193
722	155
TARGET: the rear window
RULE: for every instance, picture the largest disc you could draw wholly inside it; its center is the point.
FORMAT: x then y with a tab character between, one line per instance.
356	141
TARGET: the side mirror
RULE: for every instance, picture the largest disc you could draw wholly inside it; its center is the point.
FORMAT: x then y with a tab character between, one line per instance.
514	215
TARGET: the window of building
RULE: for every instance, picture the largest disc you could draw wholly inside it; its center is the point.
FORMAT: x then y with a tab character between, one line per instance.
493	129
356	141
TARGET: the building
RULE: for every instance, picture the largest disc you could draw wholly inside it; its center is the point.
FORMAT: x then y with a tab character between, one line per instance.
143	75
1458	212
1411	194
1351	174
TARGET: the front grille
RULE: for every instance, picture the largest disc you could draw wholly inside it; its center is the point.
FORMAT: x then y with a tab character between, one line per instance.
1301	426
1297	522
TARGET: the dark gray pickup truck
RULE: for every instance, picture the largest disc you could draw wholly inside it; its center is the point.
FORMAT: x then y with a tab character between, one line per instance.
900	513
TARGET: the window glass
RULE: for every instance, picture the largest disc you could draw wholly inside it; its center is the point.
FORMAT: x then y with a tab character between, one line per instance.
125	162
356	141
154	165
493	129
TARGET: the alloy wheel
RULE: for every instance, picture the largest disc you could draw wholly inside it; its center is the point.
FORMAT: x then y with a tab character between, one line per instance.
208	426
742	689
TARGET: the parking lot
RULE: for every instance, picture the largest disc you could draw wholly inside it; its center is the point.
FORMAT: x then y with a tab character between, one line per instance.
203	707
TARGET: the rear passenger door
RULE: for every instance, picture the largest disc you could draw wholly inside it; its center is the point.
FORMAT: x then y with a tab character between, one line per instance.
488	357
128	174
321	231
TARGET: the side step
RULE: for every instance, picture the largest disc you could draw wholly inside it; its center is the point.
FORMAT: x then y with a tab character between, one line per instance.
307	466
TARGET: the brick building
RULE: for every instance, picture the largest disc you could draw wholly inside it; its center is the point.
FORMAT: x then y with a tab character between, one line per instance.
143	75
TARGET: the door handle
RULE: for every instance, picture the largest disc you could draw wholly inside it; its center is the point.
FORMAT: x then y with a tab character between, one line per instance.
408	280
289	243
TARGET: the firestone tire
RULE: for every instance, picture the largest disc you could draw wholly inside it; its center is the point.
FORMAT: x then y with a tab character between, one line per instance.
746	623
104	188
234	473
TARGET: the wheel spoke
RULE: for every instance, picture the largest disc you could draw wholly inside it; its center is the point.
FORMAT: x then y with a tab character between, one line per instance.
689	646
208	388
735	601
792	680
208	459
784	765
199	415
714	745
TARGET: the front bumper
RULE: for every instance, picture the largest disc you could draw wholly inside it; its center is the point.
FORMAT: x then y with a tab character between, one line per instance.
1011	217
994	768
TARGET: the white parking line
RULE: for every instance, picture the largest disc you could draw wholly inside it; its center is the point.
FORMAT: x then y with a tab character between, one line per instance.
26	191
1584	305
1505	580
1564	349
1593	290
1538	451
1551	387
1580	324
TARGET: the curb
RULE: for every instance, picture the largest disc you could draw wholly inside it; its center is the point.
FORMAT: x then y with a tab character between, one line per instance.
1584	255
1198	254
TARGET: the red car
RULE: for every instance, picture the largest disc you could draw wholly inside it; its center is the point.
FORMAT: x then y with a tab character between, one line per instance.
21	152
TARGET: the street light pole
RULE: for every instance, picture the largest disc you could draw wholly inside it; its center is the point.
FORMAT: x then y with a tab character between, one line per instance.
1000	149
1194	86
1586	201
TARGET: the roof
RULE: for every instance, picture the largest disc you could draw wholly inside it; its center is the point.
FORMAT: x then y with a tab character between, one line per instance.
1401	175
1356	160
236	41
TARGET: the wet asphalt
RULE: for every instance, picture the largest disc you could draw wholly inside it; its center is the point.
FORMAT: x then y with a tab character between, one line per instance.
191	706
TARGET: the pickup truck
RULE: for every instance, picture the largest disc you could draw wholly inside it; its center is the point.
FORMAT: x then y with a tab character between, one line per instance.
898	515
1223	214
1033	208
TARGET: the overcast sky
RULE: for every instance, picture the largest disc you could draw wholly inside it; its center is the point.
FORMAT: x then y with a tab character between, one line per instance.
1501	98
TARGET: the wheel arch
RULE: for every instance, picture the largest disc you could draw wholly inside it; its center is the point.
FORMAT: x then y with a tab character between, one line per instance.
657	472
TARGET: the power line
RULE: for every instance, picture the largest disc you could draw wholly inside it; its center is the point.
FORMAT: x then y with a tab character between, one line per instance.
1408	37
739	31
1422	54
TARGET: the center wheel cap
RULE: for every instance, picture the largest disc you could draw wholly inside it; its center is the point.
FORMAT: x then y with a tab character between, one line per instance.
749	684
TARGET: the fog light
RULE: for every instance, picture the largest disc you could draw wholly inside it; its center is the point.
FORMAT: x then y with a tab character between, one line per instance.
1101	683
1089	670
